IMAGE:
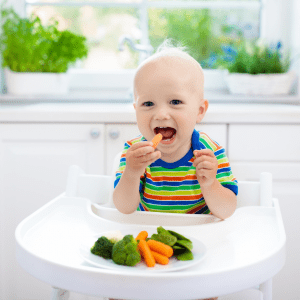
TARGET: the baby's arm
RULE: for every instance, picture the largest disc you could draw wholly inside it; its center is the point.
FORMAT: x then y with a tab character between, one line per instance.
220	200
126	196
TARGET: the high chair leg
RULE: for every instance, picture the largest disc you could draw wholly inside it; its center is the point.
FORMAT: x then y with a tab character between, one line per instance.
59	294
266	289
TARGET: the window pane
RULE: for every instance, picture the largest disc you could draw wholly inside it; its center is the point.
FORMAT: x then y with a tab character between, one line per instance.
208	0
96	1
102	27
205	32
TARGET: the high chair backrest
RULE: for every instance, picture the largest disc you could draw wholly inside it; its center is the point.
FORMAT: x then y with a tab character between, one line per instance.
255	193
115	167
99	188
93	187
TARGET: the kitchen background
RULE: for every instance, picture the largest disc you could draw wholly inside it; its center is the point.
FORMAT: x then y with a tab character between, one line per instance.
42	135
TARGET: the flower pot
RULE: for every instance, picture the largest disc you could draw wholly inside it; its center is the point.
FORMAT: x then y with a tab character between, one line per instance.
35	83
260	84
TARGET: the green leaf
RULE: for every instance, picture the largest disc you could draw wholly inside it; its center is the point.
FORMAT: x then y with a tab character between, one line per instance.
161	230
179	236
186	244
177	246
186	255
178	250
169	240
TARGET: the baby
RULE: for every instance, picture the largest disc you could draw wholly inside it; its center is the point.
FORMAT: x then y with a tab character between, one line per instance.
188	172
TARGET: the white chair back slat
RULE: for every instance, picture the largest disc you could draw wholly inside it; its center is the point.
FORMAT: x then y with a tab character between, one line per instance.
266	189
94	187
72	181
116	164
248	193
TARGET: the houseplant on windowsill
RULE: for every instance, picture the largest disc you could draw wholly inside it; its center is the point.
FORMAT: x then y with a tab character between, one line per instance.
36	58
257	69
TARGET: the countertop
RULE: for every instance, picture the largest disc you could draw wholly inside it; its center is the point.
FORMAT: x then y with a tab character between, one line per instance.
124	113
90	108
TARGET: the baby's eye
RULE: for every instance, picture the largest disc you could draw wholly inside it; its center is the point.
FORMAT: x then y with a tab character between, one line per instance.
147	103
176	102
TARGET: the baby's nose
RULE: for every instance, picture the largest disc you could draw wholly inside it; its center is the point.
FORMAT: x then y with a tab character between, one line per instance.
162	114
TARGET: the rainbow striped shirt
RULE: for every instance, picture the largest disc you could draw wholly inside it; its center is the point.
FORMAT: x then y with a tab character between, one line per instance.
173	187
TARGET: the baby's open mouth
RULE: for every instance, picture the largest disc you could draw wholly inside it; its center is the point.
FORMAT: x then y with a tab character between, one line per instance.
167	132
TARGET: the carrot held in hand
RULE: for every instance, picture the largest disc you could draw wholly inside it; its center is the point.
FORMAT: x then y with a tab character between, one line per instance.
161	248
142	235
156	140
146	253
159	258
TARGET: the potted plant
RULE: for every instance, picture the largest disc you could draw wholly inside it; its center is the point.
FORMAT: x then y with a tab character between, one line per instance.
36	58
257	69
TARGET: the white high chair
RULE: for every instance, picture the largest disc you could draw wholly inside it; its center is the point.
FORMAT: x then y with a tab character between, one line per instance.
87	205
250	194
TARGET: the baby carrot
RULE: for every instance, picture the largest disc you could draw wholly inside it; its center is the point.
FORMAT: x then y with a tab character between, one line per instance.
161	248
142	235
156	140
159	258
146	253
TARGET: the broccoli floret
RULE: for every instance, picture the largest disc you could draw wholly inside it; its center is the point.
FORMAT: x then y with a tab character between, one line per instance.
125	252
103	247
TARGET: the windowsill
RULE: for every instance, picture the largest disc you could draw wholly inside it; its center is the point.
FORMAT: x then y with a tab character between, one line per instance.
122	96
73	96
112	86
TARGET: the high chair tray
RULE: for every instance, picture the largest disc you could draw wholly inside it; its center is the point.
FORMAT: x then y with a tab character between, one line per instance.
241	252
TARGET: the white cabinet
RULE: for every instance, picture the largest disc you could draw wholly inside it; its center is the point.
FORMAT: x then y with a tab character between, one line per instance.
264	142
116	136
254	149
34	163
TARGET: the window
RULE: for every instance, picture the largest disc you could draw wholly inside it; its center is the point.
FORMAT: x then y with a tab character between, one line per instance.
204	26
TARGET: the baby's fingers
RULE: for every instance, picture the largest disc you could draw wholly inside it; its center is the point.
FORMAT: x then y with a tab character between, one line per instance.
207	152
141	150
140	153
151	157
205	165
202	159
140	145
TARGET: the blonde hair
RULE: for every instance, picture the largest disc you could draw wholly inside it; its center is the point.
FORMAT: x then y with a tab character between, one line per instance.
168	49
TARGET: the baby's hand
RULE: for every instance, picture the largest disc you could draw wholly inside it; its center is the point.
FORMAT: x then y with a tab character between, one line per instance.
206	165
139	156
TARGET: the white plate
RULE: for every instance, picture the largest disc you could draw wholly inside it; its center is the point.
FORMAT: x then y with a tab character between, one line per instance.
199	252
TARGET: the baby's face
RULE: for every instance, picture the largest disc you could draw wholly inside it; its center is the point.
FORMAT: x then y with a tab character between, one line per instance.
169	99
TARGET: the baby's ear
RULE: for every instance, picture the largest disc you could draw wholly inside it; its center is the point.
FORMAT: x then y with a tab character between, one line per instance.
202	110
